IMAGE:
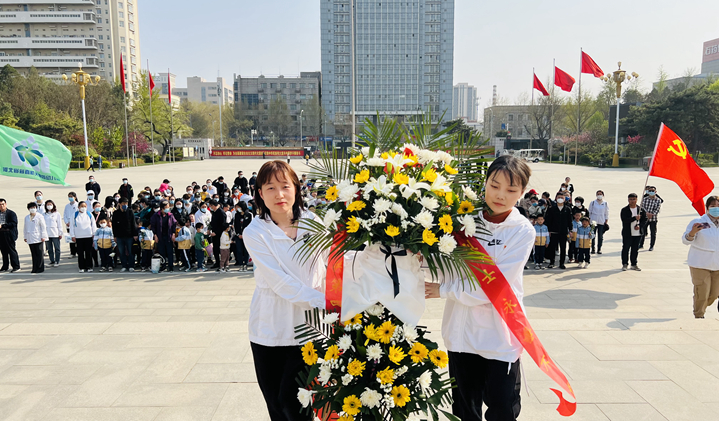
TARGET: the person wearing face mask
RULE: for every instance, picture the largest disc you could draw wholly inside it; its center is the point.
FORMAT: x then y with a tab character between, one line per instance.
8	237
252	182
82	230
633	219
218	224
242	219
651	203
220	185
110	206
39	202
534	209
702	237
124	229
125	189
35	234
599	213
164	186
55	229
179	212
67	216
559	224
104	242
90	199
211	189
156	198
94	186
570	186
164	225
225	199
579	206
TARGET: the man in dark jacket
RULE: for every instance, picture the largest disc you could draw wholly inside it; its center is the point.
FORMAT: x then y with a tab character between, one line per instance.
634	219
218	224
164	225
559	223
241	182
125	189
8	237
124	229
252	182
220	185
94	186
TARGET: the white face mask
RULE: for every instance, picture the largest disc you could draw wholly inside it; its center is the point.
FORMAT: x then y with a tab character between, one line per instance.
564	188
103	225
49	207
82	210
600	197
577	204
560	201
33	211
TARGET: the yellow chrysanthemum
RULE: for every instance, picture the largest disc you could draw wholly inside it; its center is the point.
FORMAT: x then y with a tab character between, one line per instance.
332	353
395	354
346	417
384	155
370	333
392	231
428	237
400	395
465	207
356	206
384	332
352	224
351	405
362	176
309	354
418	352
449	170
414	158
439	358
400	178
356	159
356	320
445	223
430	175
355	368
331	194
449	198
386	376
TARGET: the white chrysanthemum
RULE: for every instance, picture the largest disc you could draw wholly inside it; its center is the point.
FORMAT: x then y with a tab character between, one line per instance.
447	244
348	193
374	352
404	225
347	379
401	371
381	205
344	343
370	398
468	225
444	157
425	379
429	203
414	148
330	318
305	397
387	401
398	210
365	151
375	162
425	218
331	218
325	374
376	310
469	193
410	334
426	156
366	224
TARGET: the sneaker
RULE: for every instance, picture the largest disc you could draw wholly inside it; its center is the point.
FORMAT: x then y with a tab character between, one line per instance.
586	265
651	248
56	264
15	270
109	269
635	267
82	270
218	269
536	267
624	267
3	269
131	269
641	248
103	269
89	270
550	266
187	270
593	251
123	270
562	267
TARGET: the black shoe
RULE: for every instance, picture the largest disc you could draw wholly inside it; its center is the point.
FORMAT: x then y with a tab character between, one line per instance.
550	266
594	252
641	248
599	252
562	267
651	248
3	269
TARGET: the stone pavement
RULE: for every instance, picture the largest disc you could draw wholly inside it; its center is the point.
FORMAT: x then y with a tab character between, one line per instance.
112	346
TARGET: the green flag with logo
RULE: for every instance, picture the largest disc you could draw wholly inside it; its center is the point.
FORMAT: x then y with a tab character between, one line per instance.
28	155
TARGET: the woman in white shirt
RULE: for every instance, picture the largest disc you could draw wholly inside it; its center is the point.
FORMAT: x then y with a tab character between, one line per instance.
67	216
285	288
599	213
55	228
82	229
702	235
35	236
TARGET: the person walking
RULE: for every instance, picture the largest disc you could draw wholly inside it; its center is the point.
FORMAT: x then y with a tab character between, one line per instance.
164	225
67	216
559	224
55	229
93	185
99	162
633	220
599	213
126	190
702	237
124	228
82	230
91	167
218	224
35	235
243	218
8	237
652	205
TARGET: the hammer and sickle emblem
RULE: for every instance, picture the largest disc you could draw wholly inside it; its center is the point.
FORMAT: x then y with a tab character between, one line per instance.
682	149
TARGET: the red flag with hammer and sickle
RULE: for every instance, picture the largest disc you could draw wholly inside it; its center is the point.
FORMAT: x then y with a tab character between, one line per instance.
671	160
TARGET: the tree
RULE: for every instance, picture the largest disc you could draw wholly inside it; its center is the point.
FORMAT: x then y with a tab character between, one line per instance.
461	128
7	117
279	120
546	116
584	107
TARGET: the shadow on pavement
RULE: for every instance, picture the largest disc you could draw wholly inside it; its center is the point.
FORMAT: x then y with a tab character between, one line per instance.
571	274
575	299
628	323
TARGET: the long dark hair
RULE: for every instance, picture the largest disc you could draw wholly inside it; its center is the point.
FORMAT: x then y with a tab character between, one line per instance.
277	169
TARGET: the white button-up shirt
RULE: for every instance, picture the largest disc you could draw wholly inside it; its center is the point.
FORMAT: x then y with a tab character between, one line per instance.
34	230
704	250
285	287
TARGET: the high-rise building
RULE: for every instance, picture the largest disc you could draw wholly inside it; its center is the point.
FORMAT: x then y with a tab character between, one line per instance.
464	102
166	81
56	36
200	90
400	52
710	57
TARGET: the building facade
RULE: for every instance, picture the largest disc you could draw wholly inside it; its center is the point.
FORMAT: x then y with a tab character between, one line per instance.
54	37
710	57
211	92
401	54
464	102
166	81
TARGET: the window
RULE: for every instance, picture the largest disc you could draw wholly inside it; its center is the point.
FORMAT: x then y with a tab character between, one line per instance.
511	117
122	24
121	15
283	85
122	40
263	86
120	5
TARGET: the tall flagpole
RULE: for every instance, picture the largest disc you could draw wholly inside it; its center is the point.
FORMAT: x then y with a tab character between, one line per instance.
152	128
551	104
172	127
532	108
579	108
127	132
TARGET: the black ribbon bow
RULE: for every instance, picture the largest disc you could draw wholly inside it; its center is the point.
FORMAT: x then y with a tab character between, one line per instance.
387	250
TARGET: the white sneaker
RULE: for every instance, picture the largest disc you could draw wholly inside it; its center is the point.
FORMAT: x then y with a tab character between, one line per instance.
123	270
635	268
624	267
82	270
586	265
131	269
89	270
56	265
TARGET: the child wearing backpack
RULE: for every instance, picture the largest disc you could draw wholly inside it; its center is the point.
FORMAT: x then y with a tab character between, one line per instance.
147	243
104	242
200	240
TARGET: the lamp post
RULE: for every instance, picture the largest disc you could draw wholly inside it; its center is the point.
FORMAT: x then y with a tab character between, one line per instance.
301	111
253	132
273	138
82	79
214	134
619	76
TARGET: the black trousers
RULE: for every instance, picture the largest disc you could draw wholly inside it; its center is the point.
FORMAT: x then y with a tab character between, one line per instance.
583	255
557	240
85	251
276	368
216	248
37	252
9	253
651	225
539	254
598	238
481	380
630	249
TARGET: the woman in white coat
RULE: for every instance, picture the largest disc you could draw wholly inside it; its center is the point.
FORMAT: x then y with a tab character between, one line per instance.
82	230
68	215
702	235
35	236
55	228
285	288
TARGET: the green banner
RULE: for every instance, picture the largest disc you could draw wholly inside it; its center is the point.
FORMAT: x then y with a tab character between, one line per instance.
28	155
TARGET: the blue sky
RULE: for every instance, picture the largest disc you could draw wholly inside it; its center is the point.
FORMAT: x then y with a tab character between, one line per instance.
496	42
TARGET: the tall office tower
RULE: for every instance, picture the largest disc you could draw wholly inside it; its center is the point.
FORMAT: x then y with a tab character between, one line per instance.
464	102
400	53
118	33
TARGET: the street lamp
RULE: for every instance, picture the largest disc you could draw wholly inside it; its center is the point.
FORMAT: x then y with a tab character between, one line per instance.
253	132
619	76
82	79
214	134
301	111
273	138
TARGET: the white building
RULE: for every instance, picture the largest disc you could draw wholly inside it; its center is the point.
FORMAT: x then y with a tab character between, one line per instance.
200	90
197	148
161	81
464	102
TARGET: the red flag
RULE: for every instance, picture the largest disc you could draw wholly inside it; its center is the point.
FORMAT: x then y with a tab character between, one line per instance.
122	75
671	160
563	79
589	66
538	86
152	83
169	88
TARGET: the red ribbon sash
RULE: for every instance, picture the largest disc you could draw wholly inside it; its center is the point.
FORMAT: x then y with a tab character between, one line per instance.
335	272
497	289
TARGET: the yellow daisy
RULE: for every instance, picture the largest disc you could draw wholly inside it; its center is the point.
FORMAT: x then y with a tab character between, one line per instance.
351	405
362	176
428	237
346	417
392	231
400	178
439	358
332	353
331	194
430	175
445	223
414	159
309	354
356	320
356	205
395	354
400	395
384	332
355	368
465	207
356	159
418	352
386	376
449	170
352	224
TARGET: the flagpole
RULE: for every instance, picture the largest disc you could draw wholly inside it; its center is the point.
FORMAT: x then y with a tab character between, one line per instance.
551	107
172	127
579	108
651	163
532	108
152	129
127	132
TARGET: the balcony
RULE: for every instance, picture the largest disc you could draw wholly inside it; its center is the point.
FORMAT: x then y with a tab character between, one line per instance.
51	43
47	17
49	61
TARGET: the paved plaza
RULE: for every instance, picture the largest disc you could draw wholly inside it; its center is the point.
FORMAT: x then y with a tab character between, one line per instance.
173	347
